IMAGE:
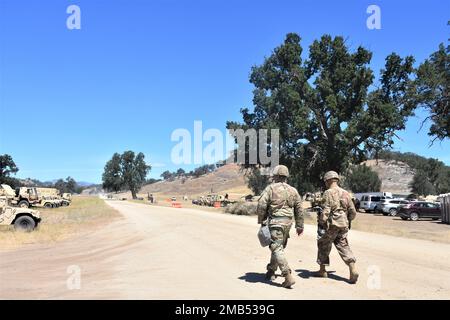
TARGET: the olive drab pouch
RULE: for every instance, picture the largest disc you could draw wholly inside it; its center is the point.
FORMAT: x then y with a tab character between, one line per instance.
340	219
264	236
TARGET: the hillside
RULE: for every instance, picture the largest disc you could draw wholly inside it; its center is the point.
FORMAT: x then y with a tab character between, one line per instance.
226	179
395	175
92	190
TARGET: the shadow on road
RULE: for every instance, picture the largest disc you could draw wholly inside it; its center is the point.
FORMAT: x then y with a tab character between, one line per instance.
254	277
306	274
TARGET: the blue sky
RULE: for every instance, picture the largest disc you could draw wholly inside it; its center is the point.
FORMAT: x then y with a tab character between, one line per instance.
137	70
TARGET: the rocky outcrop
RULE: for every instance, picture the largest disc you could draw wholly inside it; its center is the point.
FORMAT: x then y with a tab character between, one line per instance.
395	175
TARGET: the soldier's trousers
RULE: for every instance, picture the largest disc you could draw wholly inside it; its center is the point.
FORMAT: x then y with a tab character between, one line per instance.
280	236
338	236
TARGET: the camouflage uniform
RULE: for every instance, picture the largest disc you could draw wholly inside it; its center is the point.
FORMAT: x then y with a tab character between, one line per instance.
338	211
279	203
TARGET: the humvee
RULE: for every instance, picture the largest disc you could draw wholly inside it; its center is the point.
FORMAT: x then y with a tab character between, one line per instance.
66	199
23	219
23	197
46	202
49	198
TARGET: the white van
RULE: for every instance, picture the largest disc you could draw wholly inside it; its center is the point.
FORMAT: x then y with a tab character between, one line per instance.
375	194
371	203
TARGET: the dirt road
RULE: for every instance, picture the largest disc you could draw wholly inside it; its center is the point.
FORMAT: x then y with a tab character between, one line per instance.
165	253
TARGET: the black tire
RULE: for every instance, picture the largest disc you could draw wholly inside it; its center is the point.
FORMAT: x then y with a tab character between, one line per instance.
25	223
48	205
393	212
414	216
65	204
24	204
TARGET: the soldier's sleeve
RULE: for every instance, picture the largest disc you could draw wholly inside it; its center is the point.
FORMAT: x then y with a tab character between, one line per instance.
263	203
326	207
298	211
351	211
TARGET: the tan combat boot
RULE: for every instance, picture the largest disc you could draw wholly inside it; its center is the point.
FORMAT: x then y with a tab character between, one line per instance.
322	273
353	273
289	281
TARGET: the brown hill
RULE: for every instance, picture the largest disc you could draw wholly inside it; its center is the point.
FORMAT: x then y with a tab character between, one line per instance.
395	175
226	179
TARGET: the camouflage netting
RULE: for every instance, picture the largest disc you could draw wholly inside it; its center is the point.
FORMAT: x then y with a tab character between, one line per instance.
242	208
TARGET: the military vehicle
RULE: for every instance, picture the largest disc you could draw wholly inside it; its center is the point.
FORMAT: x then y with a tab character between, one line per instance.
23	219
66	199
316	199
50	198
211	199
48	192
23	197
47	202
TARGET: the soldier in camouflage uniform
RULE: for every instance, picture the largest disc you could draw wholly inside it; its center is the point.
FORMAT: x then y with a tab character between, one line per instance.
337	213
278	204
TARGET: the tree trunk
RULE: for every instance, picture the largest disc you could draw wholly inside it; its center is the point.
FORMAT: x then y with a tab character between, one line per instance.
133	193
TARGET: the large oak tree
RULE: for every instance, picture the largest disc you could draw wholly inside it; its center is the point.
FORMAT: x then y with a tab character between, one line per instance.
433	84
125	171
8	168
329	108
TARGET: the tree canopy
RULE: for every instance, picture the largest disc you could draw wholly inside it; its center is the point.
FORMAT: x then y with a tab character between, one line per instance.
421	184
112	175
67	186
362	178
8	168
433	85
125	171
256	181
328	108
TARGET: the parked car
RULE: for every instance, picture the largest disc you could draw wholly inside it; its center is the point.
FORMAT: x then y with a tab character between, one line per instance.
371	203
390	206
420	209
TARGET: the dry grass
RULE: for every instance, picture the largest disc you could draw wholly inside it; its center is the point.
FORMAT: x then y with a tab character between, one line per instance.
85	213
227	179
242	208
